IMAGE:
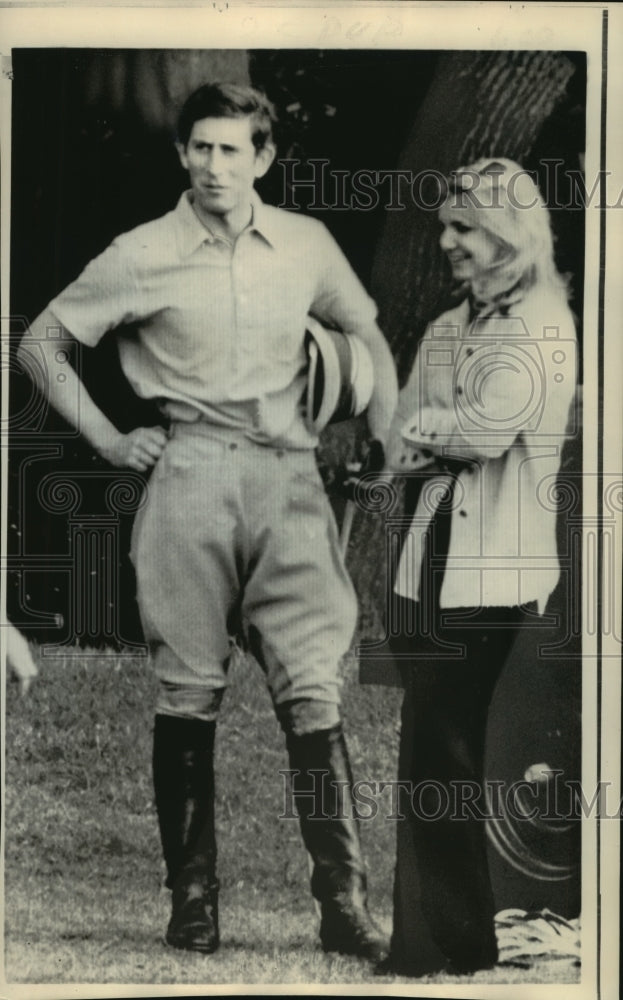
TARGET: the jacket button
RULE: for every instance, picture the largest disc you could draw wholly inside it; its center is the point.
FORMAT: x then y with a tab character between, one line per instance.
459	390
463	513
469	351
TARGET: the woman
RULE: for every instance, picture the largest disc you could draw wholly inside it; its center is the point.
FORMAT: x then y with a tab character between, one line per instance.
483	416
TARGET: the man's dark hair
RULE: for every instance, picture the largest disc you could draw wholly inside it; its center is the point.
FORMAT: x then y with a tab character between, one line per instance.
228	100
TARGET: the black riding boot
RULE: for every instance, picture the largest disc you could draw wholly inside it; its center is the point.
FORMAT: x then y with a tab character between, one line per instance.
330	832
183	768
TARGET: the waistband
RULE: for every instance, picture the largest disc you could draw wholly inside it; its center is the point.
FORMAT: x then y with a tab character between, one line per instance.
231	436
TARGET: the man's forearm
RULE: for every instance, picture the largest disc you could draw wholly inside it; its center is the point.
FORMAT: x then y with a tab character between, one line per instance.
60	384
385	395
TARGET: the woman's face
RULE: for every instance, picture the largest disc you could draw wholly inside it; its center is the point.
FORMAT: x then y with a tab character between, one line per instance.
471	250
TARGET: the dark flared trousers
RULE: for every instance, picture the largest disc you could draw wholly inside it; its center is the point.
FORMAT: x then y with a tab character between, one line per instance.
443	901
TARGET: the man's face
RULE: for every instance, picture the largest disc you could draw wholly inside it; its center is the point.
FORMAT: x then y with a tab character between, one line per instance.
223	164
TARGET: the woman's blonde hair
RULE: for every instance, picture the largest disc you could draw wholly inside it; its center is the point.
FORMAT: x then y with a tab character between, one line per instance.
502	198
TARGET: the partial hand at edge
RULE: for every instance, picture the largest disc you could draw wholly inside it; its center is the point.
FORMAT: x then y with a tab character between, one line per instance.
344	481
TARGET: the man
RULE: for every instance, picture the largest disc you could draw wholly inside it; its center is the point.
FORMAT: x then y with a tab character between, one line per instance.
237	536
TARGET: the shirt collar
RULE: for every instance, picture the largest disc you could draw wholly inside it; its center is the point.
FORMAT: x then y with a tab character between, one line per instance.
191	231
265	221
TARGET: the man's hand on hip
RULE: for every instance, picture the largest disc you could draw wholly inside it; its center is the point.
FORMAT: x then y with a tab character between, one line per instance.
140	449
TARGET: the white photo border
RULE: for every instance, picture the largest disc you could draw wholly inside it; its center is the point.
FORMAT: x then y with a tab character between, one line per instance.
596	29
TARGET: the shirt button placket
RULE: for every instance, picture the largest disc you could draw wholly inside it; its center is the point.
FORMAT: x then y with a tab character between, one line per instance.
240	266
235	307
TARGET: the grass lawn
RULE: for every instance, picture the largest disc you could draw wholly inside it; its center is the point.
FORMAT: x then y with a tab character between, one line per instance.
84	901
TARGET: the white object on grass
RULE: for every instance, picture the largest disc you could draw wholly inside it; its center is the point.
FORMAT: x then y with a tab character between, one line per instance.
19	658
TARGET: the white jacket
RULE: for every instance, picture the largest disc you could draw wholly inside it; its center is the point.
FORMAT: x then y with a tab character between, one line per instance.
496	392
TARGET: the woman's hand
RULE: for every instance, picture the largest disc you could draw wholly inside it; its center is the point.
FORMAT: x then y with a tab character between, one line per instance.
345	480
412	459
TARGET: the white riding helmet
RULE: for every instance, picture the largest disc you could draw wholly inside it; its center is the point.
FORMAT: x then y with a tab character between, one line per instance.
340	375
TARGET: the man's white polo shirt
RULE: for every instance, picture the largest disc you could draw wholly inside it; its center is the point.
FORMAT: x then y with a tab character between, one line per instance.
217	328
